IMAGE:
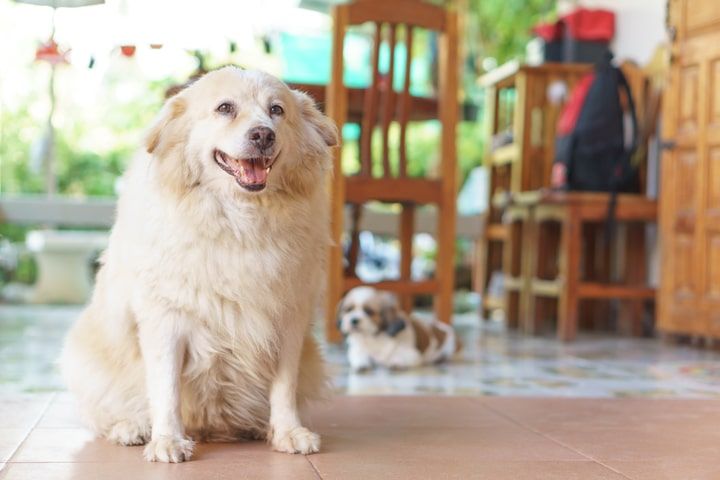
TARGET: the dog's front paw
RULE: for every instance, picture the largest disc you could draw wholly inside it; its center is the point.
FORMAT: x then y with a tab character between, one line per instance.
127	432
297	440
169	449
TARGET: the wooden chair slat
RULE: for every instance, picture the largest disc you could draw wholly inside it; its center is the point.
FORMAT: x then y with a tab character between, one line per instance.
405	100
388	99
370	111
378	107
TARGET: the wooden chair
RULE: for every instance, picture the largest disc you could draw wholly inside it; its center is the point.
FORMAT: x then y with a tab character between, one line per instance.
555	262
395	22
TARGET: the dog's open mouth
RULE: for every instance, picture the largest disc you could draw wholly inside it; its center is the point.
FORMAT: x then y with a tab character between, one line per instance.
249	173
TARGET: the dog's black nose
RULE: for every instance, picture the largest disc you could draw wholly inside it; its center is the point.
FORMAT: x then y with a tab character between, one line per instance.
354	321
262	137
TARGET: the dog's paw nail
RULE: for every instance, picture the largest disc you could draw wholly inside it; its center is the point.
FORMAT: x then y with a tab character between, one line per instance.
169	449
126	432
298	440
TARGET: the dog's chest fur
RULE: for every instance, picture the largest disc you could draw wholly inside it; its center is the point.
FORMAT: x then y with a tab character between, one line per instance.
243	274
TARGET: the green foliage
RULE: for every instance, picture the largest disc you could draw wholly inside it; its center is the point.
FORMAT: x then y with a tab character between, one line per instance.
503	27
85	163
423	149
17	133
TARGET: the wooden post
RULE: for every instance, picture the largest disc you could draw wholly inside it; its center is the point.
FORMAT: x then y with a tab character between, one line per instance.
337	110
447	211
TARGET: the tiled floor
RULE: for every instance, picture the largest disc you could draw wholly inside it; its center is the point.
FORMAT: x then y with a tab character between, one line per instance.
401	438
649	410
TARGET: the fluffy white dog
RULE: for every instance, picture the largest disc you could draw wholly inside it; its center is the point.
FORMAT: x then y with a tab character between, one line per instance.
199	326
380	333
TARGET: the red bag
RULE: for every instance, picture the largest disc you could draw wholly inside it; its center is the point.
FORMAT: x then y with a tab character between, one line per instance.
590	25
549	31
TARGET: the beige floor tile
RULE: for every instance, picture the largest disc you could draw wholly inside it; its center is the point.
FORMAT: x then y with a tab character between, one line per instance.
10	440
347	411
22	410
668	469
61	413
475	444
72	445
249	469
439	468
574	412
625	430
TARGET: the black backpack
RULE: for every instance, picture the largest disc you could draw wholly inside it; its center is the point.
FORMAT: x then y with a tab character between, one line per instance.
591	134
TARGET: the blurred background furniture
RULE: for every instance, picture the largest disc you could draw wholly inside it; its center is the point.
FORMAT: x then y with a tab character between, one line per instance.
689	295
523	104
557	257
382	179
549	249
64	257
64	264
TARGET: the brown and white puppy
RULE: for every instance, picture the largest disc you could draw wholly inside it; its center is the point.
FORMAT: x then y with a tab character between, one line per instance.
380	333
200	324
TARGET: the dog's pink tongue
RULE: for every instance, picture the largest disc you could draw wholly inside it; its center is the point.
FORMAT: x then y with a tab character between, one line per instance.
253	172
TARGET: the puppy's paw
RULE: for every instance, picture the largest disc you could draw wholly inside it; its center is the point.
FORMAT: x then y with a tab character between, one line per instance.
361	368
128	432
169	449
297	440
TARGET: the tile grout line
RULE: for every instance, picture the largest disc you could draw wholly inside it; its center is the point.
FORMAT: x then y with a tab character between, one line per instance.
30	431
552	439
312	465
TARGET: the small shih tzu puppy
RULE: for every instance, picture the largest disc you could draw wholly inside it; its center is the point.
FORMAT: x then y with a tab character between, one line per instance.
379	333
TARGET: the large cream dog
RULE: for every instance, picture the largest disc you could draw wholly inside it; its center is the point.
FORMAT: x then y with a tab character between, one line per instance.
199	326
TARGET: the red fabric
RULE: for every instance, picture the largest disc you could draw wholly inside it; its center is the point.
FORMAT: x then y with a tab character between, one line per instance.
572	109
549	31
590	25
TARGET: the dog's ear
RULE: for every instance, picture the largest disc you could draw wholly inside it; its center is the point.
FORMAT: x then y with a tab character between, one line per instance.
319	122
163	132
392	322
166	141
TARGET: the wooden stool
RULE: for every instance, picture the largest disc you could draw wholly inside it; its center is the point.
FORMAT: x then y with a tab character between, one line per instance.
547	245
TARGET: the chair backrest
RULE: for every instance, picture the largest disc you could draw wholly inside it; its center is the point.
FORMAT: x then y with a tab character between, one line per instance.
394	23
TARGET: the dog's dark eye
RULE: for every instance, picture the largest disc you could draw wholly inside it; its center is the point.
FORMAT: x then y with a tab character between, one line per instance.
369	311
226	108
276	110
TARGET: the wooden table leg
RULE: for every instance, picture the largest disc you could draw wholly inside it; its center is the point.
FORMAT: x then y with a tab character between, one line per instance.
512	254
635	273
529	269
407	232
570	275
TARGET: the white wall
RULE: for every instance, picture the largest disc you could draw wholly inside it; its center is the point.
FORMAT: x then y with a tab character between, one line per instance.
639	25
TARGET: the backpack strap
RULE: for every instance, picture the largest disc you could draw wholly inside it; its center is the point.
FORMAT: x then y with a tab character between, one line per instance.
611	223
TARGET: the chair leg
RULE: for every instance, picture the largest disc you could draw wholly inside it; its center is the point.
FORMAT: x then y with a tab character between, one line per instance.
407	231
570	275
635	273
528	271
354	250
444	267
511	252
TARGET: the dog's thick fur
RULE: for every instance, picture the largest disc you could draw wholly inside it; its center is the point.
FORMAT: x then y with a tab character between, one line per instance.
199	325
380	333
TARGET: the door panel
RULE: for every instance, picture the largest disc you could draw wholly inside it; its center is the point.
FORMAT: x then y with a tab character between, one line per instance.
689	297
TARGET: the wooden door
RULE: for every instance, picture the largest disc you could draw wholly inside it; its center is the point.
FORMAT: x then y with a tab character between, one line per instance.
689	294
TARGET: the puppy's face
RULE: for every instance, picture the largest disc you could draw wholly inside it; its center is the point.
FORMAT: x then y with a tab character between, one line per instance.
243	130
366	311
359	312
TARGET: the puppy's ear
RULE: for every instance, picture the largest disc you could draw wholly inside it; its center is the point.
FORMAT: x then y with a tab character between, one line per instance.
163	132
338	314
319	122
392	321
